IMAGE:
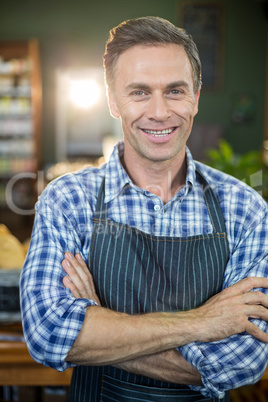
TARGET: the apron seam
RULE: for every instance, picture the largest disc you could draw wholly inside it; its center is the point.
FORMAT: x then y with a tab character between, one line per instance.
221	235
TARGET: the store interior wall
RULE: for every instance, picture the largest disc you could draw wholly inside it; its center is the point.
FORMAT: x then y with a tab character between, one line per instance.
72	35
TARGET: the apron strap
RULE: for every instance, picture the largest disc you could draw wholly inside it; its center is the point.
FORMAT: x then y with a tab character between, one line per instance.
213	205
100	209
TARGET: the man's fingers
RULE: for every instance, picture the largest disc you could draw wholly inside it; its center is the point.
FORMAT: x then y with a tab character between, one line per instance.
255	297
245	286
78	273
85	274
81	261
255	311
76	284
70	285
255	331
79	265
77	276
229	312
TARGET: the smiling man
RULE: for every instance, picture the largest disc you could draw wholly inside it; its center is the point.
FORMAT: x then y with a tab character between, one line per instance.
161	252
155	98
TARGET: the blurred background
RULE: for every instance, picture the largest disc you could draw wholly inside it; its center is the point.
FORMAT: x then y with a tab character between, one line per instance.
53	111
51	61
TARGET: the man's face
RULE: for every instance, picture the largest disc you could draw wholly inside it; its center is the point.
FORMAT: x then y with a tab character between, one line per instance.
154	97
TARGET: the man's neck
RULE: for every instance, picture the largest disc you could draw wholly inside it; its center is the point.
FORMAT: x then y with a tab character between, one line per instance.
163	179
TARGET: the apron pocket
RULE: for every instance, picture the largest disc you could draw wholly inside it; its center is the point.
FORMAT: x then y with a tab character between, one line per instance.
113	389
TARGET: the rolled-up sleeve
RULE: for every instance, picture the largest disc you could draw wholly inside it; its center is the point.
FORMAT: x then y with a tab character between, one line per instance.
228	364
240	359
52	318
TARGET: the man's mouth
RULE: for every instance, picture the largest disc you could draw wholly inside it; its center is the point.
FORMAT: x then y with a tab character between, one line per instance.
159	133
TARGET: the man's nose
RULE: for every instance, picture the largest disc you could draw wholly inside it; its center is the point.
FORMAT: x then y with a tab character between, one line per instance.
158	108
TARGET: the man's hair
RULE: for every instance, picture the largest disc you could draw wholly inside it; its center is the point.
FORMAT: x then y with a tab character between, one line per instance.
148	31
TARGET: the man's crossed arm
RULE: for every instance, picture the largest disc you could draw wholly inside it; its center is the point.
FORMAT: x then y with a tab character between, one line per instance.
146	344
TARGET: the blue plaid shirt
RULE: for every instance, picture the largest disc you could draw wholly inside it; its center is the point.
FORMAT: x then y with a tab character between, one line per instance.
52	317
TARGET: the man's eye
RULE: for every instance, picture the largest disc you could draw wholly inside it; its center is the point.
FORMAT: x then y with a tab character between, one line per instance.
175	91
138	93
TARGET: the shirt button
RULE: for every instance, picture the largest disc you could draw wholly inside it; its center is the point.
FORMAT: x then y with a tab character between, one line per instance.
157	207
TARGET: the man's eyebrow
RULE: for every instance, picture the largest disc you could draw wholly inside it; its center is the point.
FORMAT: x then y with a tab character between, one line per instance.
176	84
146	87
138	85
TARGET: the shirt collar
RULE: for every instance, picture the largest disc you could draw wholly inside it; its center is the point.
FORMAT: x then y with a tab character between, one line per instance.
116	178
190	175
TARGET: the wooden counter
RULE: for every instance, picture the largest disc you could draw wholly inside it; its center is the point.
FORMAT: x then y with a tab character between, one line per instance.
18	368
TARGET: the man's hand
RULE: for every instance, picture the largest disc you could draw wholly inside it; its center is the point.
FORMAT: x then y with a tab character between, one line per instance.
79	279
228	312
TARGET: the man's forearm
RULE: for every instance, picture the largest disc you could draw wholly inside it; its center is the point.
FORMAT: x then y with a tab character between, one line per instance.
109	337
169	366
137	344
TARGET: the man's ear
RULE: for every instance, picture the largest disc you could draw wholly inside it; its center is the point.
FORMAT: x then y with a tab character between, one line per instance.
197	96
113	104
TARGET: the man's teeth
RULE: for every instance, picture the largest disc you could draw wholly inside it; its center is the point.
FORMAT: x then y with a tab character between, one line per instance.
160	133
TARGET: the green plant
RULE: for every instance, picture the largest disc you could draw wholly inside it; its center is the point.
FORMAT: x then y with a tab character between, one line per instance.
248	167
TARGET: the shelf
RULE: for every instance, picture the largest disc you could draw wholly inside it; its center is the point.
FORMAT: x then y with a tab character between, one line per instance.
16	147
20	127
11	166
19	106
20	94
16	92
15	66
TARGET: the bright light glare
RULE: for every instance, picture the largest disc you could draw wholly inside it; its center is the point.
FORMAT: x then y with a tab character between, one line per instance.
84	93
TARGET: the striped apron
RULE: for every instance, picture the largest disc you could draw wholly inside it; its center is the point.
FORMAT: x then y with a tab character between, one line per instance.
135	272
